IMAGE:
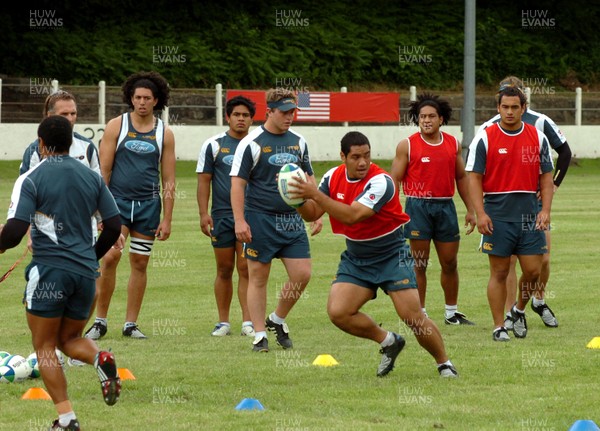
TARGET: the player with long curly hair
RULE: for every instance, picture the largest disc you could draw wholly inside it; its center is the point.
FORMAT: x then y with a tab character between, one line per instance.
137	157
430	167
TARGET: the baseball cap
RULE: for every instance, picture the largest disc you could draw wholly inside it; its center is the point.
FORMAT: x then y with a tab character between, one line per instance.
284	104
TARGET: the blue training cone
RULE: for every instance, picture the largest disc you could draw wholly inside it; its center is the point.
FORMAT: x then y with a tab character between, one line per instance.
249	404
584	425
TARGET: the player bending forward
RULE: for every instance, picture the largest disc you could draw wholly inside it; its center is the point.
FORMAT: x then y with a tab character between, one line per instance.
363	204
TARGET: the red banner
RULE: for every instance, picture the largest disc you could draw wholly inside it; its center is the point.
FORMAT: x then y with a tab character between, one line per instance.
334	107
257	96
365	107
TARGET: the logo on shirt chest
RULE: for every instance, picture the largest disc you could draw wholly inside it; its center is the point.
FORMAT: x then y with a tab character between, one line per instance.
340	196
425	160
140	147
502	151
282	159
228	160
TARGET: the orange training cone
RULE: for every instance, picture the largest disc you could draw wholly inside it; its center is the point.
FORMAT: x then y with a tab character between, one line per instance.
36	394
125	374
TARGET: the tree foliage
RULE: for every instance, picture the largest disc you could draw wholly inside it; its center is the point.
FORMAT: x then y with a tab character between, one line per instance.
252	44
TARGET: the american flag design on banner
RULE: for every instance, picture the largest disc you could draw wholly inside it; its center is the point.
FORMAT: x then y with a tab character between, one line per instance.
313	106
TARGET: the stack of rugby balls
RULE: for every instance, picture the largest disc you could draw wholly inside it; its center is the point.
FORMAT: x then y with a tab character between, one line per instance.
16	368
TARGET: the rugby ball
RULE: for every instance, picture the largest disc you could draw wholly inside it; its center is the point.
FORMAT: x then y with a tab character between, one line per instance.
286	173
33	364
7	374
20	367
5	358
11	359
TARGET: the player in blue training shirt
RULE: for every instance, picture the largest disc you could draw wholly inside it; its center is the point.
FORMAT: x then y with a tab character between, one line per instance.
214	165
264	222
57	199
82	149
137	156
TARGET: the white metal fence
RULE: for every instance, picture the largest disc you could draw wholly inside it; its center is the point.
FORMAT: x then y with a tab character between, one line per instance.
205	106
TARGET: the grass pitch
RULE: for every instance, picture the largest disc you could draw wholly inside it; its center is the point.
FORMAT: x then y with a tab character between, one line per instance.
188	380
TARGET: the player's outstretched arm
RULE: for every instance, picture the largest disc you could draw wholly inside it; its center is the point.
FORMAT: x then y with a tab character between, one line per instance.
12	233
347	214
310	211
317	224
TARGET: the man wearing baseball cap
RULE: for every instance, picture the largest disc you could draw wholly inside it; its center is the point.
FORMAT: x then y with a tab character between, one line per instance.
267	226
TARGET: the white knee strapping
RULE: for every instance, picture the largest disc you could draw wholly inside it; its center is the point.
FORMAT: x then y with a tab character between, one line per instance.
141	246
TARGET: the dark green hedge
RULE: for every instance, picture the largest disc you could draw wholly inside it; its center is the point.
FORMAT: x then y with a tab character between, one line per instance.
365	45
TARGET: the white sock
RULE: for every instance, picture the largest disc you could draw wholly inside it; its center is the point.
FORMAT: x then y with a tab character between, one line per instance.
538	302
247	323
445	363
498	328
101	320
450	310
388	340
224	323
276	319
424	311
129	325
66	418
519	311
260	335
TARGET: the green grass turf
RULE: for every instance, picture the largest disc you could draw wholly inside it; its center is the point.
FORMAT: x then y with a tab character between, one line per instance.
186	379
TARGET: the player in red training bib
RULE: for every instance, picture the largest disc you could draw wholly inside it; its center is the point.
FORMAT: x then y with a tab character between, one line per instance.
508	162
559	143
429	164
363	205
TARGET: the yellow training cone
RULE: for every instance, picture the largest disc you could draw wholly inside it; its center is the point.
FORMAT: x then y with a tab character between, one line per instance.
325	361
125	374
36	394
594	344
